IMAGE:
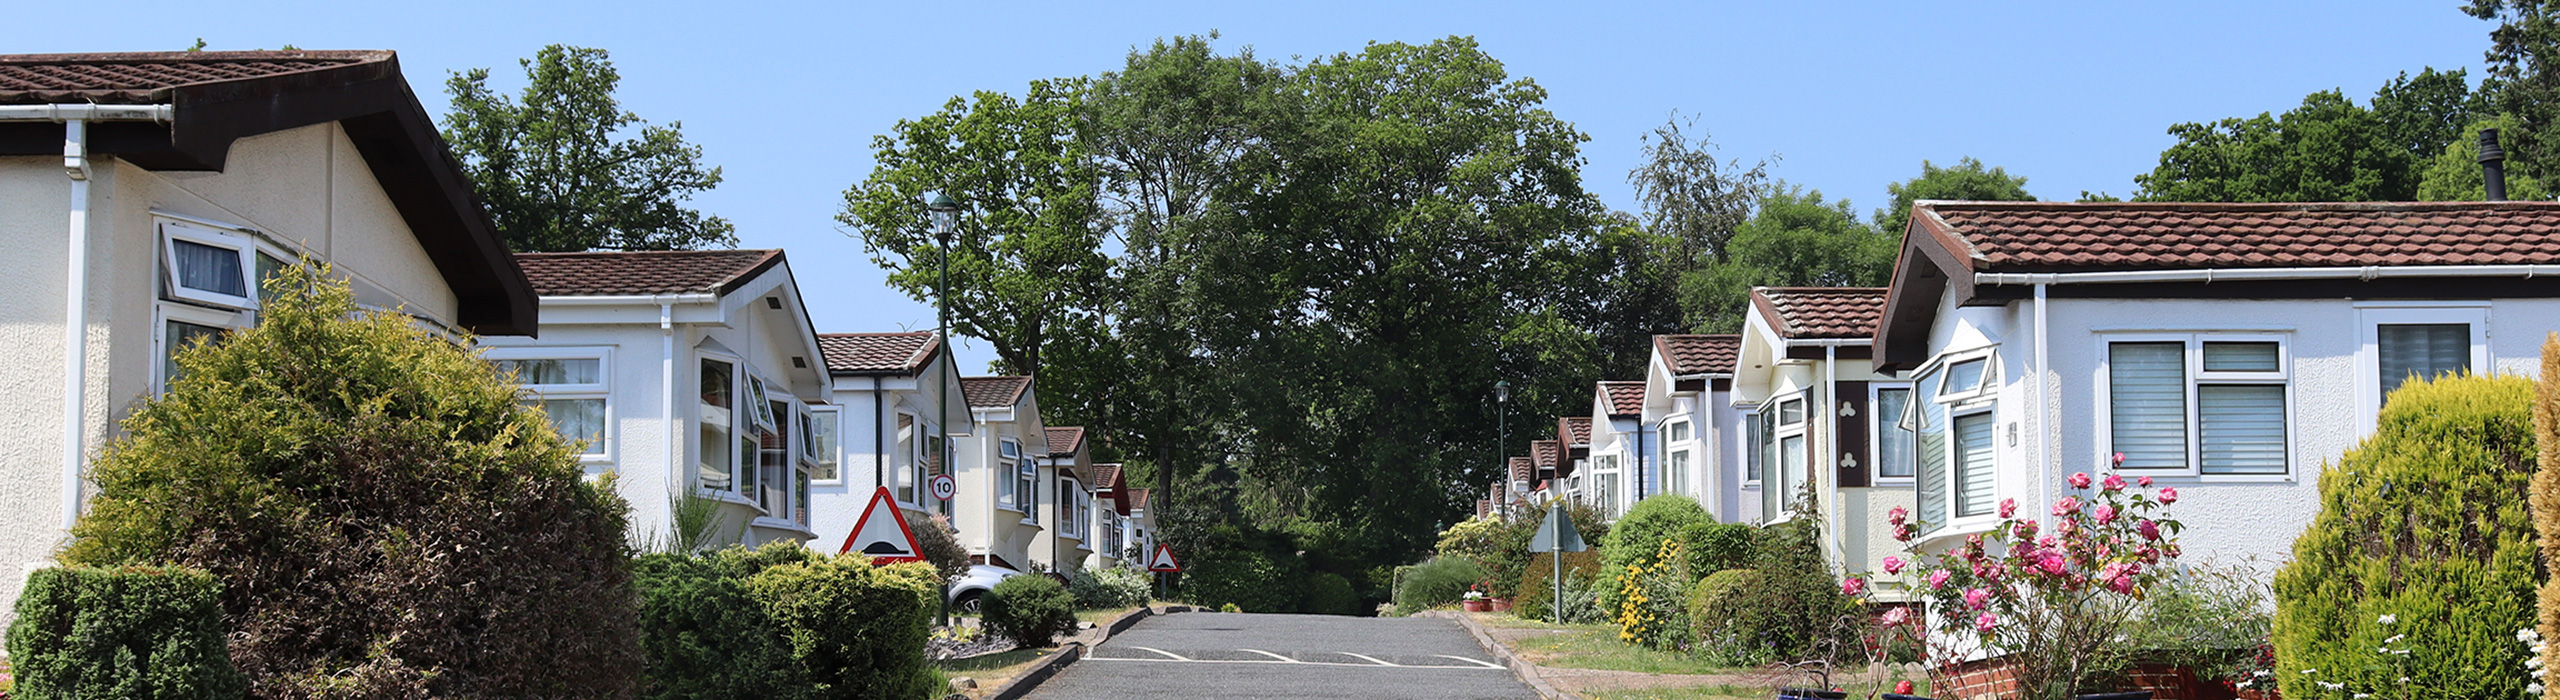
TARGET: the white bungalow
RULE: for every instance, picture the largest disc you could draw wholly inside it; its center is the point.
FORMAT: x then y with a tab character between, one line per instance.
1110	534
1822	418
2229	350
884	428
999	510
686	372
1066	467
1687	389
1621	446
148	195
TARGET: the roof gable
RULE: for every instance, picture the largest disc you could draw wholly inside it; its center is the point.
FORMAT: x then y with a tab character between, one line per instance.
878	353
1064	441
1698	354
994	392
1574	432
1624	398
635	273
1840	313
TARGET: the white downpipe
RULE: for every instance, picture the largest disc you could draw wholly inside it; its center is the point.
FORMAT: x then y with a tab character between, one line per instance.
2369	272
667	397
75	323
2045	419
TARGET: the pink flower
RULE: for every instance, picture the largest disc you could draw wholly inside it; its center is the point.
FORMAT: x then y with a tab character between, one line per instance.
2050	562
2169	495
1975	598
2106	514
2067	528
1902	532
1985	622
2150	530
2114	483
1853	587
2171	550
1896	616
2119	461
2045	542
2026	528
1898	515
2079	480
2069	504
1893	565
2008	508
1938	579
2144	482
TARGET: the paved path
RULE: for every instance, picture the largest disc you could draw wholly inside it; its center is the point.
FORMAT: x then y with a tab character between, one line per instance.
1232	655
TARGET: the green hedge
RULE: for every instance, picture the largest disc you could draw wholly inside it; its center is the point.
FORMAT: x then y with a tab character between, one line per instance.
1724	621
1637	537
2426	522
1253	580
1030	610
1112	587
1330	594
1537	587
1440	581
783	622
1716	547
133	632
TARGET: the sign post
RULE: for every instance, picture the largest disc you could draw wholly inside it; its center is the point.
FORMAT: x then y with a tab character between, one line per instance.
1162	563
882	533
1557	536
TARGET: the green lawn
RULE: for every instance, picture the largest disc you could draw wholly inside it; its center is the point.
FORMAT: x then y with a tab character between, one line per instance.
1596	646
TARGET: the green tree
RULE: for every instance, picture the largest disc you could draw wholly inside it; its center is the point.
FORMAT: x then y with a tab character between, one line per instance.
561	168
1796	240
2454	175
1967	180
2524	77
1690	196
2423	114
2327	150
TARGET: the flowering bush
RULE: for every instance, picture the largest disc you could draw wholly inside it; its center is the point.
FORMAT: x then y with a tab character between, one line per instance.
2053	602
1652	602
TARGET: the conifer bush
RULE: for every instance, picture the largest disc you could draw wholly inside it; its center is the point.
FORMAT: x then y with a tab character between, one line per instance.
387	518
2423	545
134	632
2546	497
1030	610
780	621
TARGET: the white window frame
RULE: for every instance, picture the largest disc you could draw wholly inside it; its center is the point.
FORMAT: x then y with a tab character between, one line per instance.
1604	492
1877	423
830	415
1685	448
164	312
1070	508
601	389
1009	485
237	240
1026	473
913	466
1983	399
2104	445
1779	431
2371	316
738	398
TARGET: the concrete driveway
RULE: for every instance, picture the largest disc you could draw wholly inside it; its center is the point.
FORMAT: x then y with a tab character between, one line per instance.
1232	655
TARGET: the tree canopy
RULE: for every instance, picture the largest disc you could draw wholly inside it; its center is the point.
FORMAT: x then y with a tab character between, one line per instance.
563	167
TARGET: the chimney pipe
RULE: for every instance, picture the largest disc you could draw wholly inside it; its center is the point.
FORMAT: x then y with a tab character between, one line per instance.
2493	165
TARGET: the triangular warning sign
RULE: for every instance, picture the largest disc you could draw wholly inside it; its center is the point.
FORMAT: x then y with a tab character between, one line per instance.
1163	561
882	533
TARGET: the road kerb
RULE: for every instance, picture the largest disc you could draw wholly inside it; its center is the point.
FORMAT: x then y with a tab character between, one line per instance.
1039	671
1521	668
1123	623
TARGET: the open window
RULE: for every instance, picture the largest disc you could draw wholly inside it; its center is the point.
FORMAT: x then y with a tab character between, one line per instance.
825	437
1951	415
571	387
211	266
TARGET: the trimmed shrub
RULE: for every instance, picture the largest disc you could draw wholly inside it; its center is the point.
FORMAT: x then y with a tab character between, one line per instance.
1537	588
1637	537
1251	579
386	515
2426	523
1440	581
1499	545
780	621
940	545
1726	629
134	632
1784	608
1030	610
1113	587
1331	594
1714	547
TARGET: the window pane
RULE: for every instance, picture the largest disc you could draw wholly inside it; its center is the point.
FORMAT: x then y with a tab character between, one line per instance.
2243	428
2421	350
1677	469
1679	432
904	471
2147	403
1790	412
268	268
178	336
1763	445
577	419
1893	442
823	428
715	465
1964	376
1973	464
2240	357
1929	436
550	371
211	269
1791	475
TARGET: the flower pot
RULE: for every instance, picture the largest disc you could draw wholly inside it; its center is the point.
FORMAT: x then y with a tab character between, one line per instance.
1811	694
1478	605
1501	604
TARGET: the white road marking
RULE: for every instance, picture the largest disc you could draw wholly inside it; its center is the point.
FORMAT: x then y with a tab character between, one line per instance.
1370	659
1168	654
1479	665
1468	660
1272	655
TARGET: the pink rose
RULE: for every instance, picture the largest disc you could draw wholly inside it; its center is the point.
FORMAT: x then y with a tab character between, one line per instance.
2008	508
1938	579
1985	622
2171	550
1897	516
2067	528
2169	495
2068	504
1853	587
1893	565
1975	598
2114	483
2144	482
2050	562
1896	616
2119	461
1902	533
2106	514
2026	528
2079	480
2150	530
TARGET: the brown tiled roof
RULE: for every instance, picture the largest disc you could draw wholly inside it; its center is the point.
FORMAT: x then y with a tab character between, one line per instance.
1483	507
1063	441
618	273
1698	354
1107	476
1544	453
1522	469
1625	398
2069	237
129	78
1574	432
993	392
877	353
1821	312
1137	498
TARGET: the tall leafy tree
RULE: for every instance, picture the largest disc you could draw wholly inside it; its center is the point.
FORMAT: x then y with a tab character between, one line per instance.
2524	67
2327	150
2422	114
563	167
1689	195
1966	180
2454	175
1796	240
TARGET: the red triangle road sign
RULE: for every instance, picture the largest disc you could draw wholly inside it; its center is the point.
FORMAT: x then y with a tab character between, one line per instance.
1163	561
882	533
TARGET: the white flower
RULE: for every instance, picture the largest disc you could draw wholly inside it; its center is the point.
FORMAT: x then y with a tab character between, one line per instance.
2395	639
2362	696
2402	652
2242	684
2388	619
2309	671
2533	688
2404	680
2528	636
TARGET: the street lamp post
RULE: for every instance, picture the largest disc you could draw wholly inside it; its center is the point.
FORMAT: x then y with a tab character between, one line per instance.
946	216
1502	433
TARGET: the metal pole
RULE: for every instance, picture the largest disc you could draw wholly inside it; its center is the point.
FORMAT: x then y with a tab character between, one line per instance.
942	383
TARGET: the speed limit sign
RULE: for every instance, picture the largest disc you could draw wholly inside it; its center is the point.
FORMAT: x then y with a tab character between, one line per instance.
943	487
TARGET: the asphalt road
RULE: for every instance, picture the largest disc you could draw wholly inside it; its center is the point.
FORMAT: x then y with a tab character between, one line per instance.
1233	655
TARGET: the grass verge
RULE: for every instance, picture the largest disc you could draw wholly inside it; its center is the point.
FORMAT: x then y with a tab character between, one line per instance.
1596	647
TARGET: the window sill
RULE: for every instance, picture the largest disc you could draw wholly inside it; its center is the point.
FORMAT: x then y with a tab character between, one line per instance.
727	497
773	523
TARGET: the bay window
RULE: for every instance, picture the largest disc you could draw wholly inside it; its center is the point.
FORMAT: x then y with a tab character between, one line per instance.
1009	489
1604	485
1027	478
1070	509
1784	452
774	463
905	462
570	387
1894	456
823	437
1949	415
1675	463
716	465
2199	404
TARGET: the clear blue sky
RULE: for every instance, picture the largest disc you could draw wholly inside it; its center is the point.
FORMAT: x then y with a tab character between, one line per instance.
786	96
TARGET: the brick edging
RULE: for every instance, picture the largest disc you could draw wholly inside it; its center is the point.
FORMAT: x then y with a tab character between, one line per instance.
1039	671
1521	668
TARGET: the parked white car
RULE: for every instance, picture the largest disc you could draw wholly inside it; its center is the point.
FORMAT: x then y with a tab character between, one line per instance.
975	584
